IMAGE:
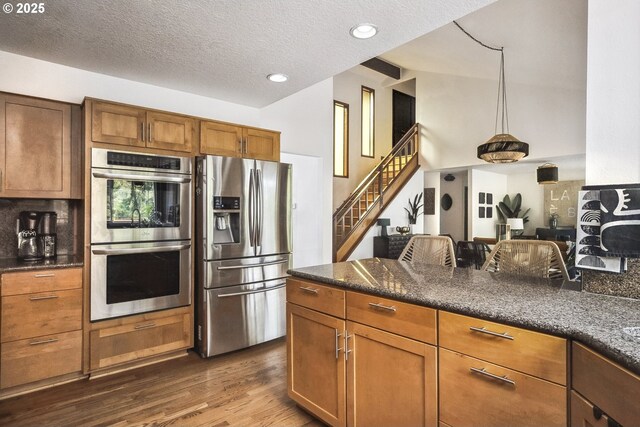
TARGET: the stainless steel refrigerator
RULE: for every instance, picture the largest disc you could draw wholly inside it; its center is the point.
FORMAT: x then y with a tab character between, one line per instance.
243	251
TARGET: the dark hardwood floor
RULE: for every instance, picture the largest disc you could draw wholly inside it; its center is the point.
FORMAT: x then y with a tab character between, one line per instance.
245	388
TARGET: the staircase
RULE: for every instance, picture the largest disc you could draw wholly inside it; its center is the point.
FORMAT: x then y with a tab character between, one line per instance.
361	209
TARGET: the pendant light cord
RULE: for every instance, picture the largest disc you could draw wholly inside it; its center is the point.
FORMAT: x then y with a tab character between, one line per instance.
502	87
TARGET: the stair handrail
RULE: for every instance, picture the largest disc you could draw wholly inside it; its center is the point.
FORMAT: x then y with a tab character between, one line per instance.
366	182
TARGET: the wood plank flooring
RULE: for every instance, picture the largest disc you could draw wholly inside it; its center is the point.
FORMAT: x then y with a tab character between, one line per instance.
245	388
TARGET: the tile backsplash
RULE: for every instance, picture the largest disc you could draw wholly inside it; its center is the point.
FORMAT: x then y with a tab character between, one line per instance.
66	230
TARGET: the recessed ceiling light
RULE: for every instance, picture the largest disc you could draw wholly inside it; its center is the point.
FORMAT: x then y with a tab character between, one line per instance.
364	31
278	77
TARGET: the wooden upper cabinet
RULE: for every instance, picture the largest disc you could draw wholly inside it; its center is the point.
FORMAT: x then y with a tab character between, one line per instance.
117	124
223	139
35	148
261	144
170	132
137	127
220	139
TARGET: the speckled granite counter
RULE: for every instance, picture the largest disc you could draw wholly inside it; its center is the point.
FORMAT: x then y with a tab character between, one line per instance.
542	305
8	265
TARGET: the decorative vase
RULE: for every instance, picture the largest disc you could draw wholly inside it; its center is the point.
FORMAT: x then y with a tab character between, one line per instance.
553	222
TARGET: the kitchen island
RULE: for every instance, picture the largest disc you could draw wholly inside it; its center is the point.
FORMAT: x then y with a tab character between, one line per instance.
553	320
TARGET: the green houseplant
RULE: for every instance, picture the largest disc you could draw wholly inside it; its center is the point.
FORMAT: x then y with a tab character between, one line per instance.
414	208
508	208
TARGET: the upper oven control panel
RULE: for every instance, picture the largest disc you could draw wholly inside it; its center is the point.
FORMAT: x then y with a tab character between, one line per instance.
142	161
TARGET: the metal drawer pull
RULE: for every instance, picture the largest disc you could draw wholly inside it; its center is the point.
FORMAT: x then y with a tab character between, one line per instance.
310	290
47	341
383	307
41	275
338	348
43	297
494	334
144	326
483	371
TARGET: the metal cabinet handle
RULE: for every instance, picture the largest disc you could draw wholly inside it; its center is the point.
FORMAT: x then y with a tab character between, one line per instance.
44	297
309	290
41	275
346	345
149	132
338	348
144	326
45	341
483	330
142	131
483	371
383	307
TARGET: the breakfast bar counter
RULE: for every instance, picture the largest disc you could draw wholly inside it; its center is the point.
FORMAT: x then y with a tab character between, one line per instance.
552	307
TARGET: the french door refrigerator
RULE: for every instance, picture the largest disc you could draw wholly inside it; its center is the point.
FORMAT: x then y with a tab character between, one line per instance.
243	251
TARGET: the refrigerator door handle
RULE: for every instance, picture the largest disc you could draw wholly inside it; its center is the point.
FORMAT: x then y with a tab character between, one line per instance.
252	216
243	266
257	291
260	208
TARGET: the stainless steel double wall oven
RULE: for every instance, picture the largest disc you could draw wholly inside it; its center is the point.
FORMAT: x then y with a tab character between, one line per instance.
140	233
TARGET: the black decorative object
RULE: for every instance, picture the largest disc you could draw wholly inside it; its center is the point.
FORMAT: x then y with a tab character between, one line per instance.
448	177
481	212
481	198
547	174
446	202
489	212
384	223
489	198
429	201
620	222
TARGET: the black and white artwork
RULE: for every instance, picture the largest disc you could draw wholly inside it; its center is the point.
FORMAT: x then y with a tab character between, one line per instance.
489	212
489	199
481	198
429	201
620	222
589	254
481	212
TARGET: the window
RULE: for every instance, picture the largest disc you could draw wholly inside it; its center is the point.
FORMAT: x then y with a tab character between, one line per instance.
368	107
340	139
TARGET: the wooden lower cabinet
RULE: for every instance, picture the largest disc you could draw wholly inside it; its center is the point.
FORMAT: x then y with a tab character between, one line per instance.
35	359
584	415
122	343
391	380
316	364
496	396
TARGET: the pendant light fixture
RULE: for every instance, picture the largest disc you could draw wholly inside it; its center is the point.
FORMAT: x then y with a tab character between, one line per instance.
547	174
502	147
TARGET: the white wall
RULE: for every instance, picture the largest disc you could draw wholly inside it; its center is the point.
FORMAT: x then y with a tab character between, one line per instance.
306	122
432	222
28	76
394	211
486	182
458	114
452	221
613	92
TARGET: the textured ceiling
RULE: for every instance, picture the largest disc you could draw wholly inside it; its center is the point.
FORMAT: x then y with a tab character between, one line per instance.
545	44
221	49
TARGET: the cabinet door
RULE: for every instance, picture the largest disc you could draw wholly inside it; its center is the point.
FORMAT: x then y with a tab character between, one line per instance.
262	144
170	132
35	148
220	139
391	380
125	343
117	124
315	363
583	415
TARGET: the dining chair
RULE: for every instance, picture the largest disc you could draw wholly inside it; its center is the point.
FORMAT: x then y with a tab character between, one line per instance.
534	258
471	254
436	250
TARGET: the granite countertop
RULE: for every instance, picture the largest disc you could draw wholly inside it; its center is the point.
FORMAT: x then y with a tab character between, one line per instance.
538	304
8	265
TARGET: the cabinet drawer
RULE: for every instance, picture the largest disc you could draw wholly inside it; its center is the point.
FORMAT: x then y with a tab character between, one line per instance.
316	297
39	358
389	315
470	398
41	281
610	387
33	315
534	353
124	343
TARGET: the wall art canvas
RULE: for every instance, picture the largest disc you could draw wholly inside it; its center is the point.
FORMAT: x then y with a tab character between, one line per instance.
489	199
589	254
489	212
481	212
429	201
562	199
481	198
620	222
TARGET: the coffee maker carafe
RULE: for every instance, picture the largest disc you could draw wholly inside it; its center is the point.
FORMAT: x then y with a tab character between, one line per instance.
29	244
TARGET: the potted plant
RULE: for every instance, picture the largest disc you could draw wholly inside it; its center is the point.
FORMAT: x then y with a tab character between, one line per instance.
508	208
414	208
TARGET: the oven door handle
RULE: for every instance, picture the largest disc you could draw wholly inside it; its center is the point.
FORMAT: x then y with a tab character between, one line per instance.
133	177
140	250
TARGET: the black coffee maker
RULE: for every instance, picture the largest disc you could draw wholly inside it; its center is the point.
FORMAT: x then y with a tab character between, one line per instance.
47	234
29	245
